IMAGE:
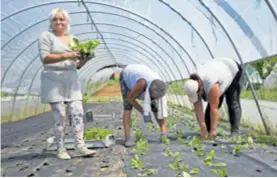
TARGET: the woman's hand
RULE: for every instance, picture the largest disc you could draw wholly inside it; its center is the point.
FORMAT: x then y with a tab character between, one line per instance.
73	55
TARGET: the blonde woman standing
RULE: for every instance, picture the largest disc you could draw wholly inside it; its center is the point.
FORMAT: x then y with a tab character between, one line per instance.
60	83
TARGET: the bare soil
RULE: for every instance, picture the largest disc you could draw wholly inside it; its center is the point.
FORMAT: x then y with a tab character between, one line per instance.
109	90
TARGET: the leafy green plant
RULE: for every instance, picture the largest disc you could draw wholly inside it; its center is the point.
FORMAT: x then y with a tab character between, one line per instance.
148	172
237	148
236	139
179	133
168	152
208	160
165	141
141	147
172	126
175	164
265	67
139	135
97	133
86	48
185	173
194	171
220	172
151	127
137	163
198	146
222	146
219	164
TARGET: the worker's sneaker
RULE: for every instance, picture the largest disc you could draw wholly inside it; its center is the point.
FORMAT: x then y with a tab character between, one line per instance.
62	154
81	150
235	134
130	143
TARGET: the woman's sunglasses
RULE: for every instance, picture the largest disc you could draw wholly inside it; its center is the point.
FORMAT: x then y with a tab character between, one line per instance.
60	19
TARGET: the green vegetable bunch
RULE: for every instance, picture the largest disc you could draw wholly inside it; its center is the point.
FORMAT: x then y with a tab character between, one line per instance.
86	49
97	134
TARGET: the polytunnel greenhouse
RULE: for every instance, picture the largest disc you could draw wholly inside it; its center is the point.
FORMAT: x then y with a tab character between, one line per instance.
173	38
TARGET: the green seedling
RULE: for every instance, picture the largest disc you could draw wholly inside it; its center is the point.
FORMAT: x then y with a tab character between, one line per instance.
198	146
177	119
223	146
200	151
141	147
168	152
194	171
181	140
165	141
208	160
183	174
137	163
189	125
151	127
179	133
263	145
219	164
237	148
236	139
97	133
186	173
139	135
172	126
86	48
175	165
148	172
220	172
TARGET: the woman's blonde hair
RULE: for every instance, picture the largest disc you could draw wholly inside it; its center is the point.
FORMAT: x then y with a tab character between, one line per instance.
52	16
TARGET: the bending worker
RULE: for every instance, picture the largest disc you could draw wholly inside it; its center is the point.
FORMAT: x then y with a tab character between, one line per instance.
214	80
138	81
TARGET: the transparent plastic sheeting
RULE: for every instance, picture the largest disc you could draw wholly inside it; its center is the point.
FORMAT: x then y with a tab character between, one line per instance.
171	36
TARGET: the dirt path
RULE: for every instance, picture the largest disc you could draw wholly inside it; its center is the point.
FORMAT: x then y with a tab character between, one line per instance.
109	90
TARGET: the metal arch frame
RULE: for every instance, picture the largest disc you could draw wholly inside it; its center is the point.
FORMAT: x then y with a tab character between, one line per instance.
19	83
30	86
142	43
86	70
93	70
129	55
129	37
240	58
86	80
150	61
15	59
151	40
84	4
268	2
4	75
138	46
90	72
125	10
190	24
88	77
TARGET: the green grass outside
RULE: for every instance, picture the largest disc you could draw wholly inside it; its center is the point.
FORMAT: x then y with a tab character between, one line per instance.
263	94
113	82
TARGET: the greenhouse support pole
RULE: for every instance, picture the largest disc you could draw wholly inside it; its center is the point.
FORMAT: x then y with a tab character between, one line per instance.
268	2
256	101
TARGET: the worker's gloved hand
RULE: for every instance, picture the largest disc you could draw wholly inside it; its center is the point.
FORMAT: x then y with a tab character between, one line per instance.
147	118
